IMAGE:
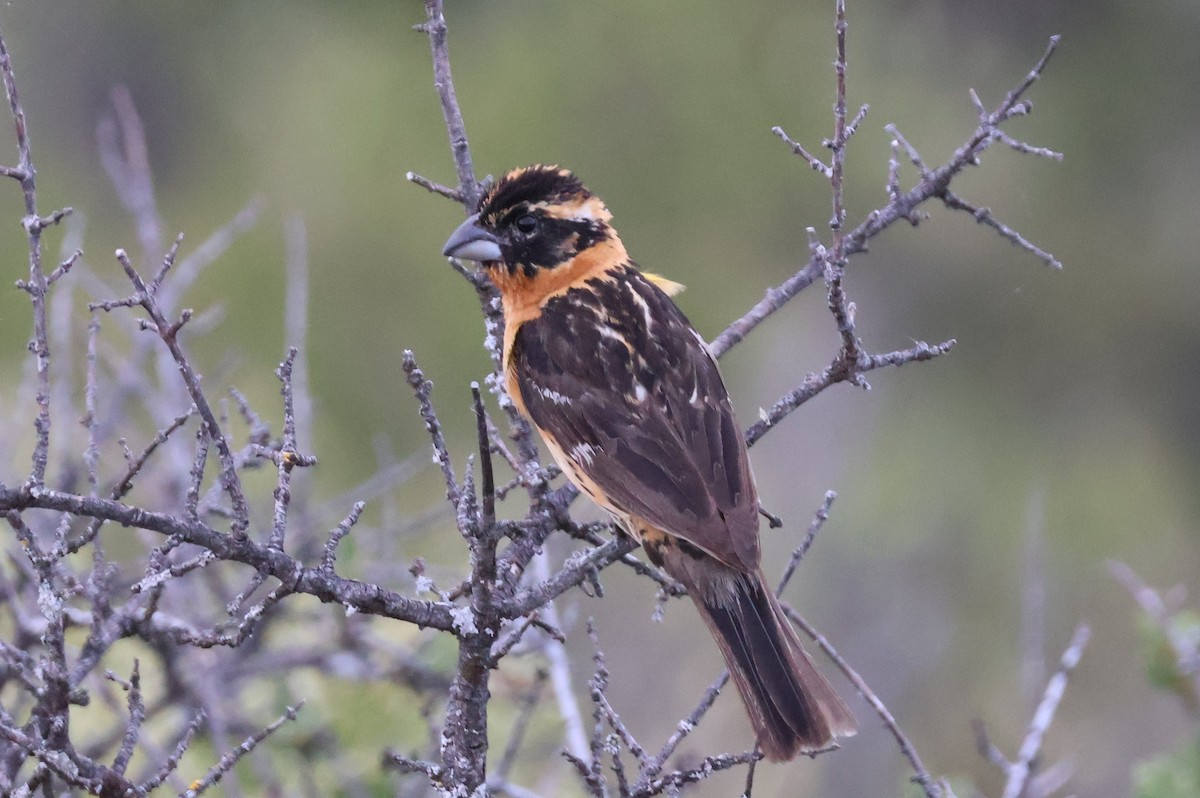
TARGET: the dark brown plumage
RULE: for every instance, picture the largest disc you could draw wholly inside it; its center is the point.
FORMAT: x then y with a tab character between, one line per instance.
630	403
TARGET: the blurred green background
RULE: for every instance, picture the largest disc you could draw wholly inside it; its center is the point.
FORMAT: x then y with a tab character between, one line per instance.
1062	430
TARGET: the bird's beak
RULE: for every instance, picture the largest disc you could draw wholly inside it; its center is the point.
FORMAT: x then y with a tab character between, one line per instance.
472	242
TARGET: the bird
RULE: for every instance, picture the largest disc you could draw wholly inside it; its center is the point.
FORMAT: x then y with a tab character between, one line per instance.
628	399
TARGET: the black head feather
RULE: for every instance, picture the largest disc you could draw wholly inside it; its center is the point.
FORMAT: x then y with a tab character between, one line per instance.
542	216
533	184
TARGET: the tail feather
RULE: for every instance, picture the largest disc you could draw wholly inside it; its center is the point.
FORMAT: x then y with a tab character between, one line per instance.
792	707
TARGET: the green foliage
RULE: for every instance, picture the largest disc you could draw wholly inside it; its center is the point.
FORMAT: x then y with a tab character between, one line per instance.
1172	650
1175	775
1171	647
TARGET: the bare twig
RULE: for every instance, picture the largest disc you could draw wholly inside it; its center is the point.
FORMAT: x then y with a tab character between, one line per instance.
435	27
813	161
901	205
167	331
814	526
339	532
228	760
837	165
839	371
423	388
172	762
436	188
922	777
351	593
38	283
686	726
984	216
598	687
137	714
288	456
1018	773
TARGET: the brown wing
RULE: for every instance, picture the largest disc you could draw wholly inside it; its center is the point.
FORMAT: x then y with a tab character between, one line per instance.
614	373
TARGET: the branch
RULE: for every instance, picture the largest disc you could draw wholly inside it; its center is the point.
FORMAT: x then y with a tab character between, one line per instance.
168	332
436	188
38	283
422	388
813	161
578	568
901	206
922	777
1019	772
361	596
435	27
840	371
219	770
288	455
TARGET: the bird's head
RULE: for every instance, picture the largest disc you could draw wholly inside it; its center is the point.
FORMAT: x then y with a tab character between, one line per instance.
534	219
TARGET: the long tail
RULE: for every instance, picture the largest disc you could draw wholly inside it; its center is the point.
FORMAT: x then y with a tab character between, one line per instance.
792	707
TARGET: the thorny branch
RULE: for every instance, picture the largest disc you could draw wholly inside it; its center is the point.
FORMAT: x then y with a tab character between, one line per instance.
47	593
902	205
848	365
38	283
212	558
169	333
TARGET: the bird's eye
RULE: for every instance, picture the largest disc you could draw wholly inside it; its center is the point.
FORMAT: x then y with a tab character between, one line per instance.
526	224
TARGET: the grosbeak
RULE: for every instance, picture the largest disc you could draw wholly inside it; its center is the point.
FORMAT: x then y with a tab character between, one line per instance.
629	401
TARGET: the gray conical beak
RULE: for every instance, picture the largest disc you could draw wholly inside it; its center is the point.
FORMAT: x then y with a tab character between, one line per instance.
472	242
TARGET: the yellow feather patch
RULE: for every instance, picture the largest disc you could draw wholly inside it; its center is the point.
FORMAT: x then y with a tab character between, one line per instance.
668	287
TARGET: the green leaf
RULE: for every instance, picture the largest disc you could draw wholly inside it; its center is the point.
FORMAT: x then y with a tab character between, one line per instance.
1174	775
1171	653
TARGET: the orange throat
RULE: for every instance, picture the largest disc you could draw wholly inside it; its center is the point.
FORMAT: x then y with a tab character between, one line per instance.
522	297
